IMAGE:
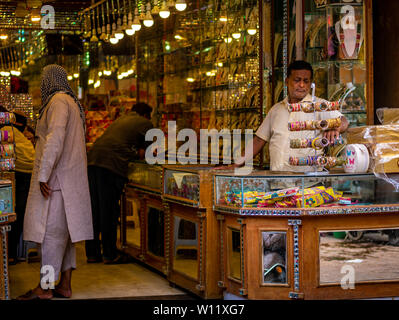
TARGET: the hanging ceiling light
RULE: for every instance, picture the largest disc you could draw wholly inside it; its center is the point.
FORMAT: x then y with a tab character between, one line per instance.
114	40
252	29
119	34
136	25
35	15
142	13
33	3
148	20
180	5
130	32
164	12
3	36
21	11
236	35
155	9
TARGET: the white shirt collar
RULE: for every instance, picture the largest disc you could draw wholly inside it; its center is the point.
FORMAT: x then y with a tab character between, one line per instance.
307	98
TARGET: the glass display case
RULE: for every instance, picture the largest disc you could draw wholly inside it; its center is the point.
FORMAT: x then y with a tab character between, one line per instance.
7	216
273	193
202	66
143	226
332	236
182	184
192	229
334	42
145	176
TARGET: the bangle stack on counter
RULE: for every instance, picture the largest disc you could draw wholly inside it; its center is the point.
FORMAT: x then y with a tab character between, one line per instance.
328	162
7	143
315	143
328	124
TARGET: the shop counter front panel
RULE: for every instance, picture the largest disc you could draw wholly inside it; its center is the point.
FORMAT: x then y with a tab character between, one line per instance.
297	195
311	257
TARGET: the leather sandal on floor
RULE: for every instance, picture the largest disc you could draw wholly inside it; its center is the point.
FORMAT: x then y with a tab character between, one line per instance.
32	295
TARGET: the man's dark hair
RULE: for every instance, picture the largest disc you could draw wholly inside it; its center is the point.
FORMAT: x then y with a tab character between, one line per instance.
142	109
300	65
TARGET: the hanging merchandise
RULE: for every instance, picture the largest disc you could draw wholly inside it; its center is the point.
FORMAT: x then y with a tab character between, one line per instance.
349	32
323	160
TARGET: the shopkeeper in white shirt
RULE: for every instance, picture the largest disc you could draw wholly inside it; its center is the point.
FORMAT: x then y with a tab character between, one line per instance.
274	128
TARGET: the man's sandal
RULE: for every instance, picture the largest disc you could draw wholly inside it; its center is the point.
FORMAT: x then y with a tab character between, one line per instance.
32	295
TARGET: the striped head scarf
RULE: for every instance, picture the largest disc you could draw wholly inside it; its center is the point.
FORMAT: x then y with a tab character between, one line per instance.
54	80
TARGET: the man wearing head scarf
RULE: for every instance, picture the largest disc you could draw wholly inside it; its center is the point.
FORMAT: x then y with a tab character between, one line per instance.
58	210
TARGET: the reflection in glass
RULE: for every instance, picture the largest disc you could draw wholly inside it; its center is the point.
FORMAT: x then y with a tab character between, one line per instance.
155	231
186	247
133	222
182	184
373	255
274	257
234	254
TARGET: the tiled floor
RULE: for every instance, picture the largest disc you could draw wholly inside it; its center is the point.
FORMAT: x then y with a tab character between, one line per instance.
99	281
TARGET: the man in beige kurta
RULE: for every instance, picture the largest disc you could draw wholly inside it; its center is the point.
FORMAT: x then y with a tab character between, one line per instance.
58	211
274	128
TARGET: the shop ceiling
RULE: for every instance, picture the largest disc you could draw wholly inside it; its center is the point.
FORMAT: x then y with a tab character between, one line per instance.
18	14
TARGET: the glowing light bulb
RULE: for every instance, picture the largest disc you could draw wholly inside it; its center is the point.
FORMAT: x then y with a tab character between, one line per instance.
164	12
136	25
180	5
130	32
114	40
236	35
148	20
119	35
251	31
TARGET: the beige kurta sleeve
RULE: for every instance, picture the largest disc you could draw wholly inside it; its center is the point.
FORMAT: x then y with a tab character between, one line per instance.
264	130
57	119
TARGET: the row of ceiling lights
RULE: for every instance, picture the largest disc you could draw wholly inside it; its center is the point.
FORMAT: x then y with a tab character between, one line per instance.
147	18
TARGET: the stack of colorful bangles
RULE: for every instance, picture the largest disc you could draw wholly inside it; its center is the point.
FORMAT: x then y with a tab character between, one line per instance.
317	143
310	107
328	162
7	118
6	150
7	164
6	136
314	124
